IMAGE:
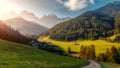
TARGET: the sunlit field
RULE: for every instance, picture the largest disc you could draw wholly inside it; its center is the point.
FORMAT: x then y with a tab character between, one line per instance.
100	45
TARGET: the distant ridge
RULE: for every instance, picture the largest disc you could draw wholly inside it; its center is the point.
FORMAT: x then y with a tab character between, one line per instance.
46	20
110	9
25	27
51	20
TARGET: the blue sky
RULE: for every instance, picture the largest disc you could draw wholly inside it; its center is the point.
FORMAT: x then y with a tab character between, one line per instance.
62	8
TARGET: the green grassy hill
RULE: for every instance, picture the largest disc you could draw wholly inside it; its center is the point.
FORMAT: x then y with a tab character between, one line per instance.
14	55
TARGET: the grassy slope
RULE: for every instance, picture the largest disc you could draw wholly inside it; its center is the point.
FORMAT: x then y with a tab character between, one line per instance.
109	65
15	55
100	45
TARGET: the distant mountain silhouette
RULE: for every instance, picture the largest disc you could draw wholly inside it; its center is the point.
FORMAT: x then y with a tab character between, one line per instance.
29	16
25	27
46	20
110	9
9	34
51	20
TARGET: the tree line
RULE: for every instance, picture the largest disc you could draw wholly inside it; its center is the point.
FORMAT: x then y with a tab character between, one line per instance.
111	55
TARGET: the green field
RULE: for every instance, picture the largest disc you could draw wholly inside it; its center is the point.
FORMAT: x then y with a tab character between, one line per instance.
109	65
14	55
100	45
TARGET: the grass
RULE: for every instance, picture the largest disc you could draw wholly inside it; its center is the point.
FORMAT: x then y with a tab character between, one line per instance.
100	45
109	65
112	38
14	55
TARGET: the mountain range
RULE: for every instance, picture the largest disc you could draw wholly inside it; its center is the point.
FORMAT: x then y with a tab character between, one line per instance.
100	23
25	27
51	20
28	24
47	21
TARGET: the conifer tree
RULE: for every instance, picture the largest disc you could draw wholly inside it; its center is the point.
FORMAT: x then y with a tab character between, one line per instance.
69	50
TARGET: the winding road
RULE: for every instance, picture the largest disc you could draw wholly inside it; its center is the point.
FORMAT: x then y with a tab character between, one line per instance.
92	65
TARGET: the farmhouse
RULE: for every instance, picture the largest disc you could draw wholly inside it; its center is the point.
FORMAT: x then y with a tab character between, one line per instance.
42	45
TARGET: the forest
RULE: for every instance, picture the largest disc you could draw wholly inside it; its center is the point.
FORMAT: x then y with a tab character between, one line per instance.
7	33
91	25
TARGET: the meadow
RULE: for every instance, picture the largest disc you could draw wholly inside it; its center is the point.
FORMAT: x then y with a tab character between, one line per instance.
109	65
14	55
100	45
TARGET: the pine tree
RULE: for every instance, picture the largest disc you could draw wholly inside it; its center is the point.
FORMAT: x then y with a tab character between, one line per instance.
82	52
92	51
69	50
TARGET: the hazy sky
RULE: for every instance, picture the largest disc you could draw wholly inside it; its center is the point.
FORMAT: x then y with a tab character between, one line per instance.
62	8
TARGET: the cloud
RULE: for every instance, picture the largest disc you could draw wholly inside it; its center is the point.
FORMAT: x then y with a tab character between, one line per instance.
76	4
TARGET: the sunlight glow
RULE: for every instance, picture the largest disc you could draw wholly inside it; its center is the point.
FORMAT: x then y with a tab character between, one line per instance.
8	9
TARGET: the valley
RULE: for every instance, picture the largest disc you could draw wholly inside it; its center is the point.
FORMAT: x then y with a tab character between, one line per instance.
60	34
100	45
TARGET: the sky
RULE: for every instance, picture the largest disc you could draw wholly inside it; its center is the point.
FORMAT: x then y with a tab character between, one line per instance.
61	8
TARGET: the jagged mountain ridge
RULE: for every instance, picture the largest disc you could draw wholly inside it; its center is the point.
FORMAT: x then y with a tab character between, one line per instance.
47	20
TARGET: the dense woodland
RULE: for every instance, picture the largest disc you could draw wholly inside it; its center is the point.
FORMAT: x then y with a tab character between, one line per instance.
90	25
7	33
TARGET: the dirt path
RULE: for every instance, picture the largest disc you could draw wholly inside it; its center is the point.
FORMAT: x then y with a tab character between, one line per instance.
92	65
